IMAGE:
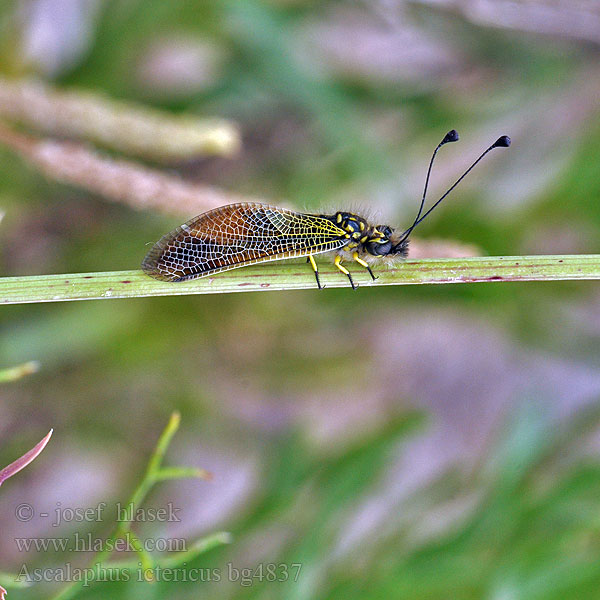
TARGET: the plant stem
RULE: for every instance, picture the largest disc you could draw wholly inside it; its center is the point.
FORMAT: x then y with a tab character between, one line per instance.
144	561
19	371
294	275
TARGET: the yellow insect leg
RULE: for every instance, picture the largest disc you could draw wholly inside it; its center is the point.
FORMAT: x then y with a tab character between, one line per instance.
337	261
359	260
364	263
313	264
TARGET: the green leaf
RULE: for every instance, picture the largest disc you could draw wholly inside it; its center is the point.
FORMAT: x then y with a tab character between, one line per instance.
292	275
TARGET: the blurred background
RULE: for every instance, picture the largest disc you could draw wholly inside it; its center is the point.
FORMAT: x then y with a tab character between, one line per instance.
408	442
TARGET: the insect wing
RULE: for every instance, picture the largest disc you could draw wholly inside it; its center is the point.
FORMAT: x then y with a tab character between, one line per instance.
237	235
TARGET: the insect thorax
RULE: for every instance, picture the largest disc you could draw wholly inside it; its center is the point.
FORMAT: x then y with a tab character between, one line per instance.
367	239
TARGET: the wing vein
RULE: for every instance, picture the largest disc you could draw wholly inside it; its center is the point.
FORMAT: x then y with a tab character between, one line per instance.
237	235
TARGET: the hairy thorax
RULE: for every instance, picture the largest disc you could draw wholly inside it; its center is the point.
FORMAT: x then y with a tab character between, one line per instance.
366	241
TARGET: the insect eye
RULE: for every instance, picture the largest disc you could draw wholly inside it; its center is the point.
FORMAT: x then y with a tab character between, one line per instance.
379	248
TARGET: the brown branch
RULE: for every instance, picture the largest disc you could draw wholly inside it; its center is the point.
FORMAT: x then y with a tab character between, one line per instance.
118	180
126	127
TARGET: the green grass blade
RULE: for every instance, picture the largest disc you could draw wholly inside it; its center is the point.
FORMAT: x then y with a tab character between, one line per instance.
288	275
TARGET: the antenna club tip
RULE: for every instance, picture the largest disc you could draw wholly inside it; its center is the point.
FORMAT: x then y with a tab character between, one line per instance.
502	142
451	136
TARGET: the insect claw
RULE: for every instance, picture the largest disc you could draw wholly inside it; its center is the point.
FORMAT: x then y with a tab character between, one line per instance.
354	285
371	274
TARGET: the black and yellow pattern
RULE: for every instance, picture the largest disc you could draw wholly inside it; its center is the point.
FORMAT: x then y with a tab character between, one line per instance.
250	232
241	234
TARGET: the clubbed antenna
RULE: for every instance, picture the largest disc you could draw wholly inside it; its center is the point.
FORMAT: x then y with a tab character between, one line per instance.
451	136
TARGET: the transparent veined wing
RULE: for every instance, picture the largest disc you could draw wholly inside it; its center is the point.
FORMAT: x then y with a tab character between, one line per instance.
238	235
